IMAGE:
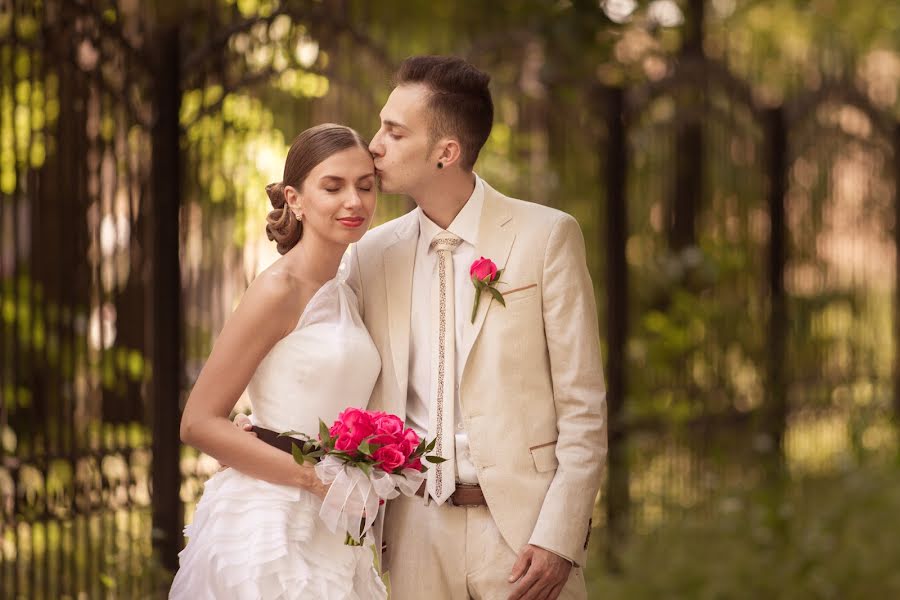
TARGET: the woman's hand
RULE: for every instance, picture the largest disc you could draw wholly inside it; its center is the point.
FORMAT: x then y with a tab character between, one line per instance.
311	483
307	480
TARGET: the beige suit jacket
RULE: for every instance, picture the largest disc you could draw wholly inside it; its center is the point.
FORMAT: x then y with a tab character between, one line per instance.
532	392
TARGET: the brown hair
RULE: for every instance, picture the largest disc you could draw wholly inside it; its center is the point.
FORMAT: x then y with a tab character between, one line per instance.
308	149
460	101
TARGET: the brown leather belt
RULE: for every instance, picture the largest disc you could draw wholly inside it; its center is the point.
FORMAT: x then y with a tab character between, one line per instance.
466	494
272	438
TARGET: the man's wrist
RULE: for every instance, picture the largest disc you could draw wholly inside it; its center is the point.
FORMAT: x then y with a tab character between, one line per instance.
565	558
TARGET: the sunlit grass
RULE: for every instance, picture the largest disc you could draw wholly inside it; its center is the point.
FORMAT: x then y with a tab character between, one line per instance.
824	536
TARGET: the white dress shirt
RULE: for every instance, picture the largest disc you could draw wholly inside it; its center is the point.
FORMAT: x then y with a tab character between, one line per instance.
465	225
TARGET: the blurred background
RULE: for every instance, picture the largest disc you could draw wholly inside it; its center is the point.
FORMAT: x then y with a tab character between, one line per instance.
734	165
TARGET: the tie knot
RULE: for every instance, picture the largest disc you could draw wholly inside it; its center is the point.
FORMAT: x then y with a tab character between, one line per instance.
445	241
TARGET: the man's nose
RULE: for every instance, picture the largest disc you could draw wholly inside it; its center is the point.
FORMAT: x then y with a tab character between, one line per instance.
375	145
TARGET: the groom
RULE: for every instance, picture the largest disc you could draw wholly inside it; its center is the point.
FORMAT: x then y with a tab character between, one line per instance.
513	390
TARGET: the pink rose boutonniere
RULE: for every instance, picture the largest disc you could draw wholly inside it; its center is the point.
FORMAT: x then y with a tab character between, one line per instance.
485	276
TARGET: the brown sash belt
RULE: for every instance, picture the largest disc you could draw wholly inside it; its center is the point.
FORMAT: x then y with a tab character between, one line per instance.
272	438
466	494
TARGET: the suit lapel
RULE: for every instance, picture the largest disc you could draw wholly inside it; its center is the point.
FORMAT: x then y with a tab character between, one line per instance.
399	260
495	239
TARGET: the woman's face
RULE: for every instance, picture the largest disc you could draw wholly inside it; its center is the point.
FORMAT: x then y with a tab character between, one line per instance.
337	199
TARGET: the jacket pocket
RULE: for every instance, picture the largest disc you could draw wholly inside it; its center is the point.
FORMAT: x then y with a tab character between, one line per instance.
544	456
520	292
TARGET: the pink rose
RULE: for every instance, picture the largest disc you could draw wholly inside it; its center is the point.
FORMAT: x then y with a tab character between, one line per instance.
416	464
337	429
384	439
346	443
355	417
388	424
483	269
411	436
410	441
352	427
389	458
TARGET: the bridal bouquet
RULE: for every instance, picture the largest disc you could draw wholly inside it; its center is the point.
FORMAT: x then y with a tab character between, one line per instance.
367	457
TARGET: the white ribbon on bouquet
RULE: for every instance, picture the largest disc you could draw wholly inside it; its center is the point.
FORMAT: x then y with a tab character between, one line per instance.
352	501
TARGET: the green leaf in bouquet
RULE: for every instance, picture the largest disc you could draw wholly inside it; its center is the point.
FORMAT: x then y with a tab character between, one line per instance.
290	433
316	453
435	459
364	447
341	455
307	447
298	455
365	468
324	433
430	445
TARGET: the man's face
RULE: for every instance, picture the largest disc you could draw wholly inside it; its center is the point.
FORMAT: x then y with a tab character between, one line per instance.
401	147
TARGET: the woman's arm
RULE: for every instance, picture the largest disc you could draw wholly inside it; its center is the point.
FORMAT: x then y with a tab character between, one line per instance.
259	322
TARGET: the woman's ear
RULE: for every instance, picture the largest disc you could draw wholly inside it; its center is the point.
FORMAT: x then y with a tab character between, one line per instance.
294	202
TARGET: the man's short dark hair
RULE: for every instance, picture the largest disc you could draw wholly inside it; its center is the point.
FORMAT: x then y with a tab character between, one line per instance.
460	103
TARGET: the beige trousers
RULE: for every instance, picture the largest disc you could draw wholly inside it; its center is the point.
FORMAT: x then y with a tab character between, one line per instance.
451	553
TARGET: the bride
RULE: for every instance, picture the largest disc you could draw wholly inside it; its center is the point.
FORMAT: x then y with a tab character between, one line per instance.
291	343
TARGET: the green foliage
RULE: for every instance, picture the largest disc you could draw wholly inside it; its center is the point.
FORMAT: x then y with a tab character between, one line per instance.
688	353
784	46
828	537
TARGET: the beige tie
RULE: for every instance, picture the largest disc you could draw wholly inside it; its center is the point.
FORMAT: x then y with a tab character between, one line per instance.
441	477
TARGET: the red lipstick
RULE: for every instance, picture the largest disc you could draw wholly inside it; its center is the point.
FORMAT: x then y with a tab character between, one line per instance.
352	222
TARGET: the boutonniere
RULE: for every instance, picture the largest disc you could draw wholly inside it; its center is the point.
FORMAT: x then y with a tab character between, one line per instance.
485	276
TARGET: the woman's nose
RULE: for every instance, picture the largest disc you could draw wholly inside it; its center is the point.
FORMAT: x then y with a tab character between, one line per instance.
353	200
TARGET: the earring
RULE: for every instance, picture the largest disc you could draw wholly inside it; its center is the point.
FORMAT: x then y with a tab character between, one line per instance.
299	216
440	165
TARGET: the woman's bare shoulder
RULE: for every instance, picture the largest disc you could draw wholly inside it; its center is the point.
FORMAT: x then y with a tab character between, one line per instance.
275	297
275	284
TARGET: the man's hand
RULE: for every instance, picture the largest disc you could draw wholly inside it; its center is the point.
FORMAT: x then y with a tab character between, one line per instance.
538	574
242	422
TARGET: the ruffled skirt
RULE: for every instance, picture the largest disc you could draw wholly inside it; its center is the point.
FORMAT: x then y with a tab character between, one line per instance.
252	540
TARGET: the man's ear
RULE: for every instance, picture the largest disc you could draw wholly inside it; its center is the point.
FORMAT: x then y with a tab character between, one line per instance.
449	152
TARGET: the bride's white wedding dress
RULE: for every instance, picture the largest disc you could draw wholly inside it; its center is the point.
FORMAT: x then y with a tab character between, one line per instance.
254	540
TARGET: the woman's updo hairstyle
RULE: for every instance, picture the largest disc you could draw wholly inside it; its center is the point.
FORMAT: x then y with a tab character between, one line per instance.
308	149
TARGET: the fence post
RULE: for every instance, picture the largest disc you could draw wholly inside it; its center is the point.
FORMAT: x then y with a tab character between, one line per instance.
896	373
687	193
613	179
165	313
775	411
